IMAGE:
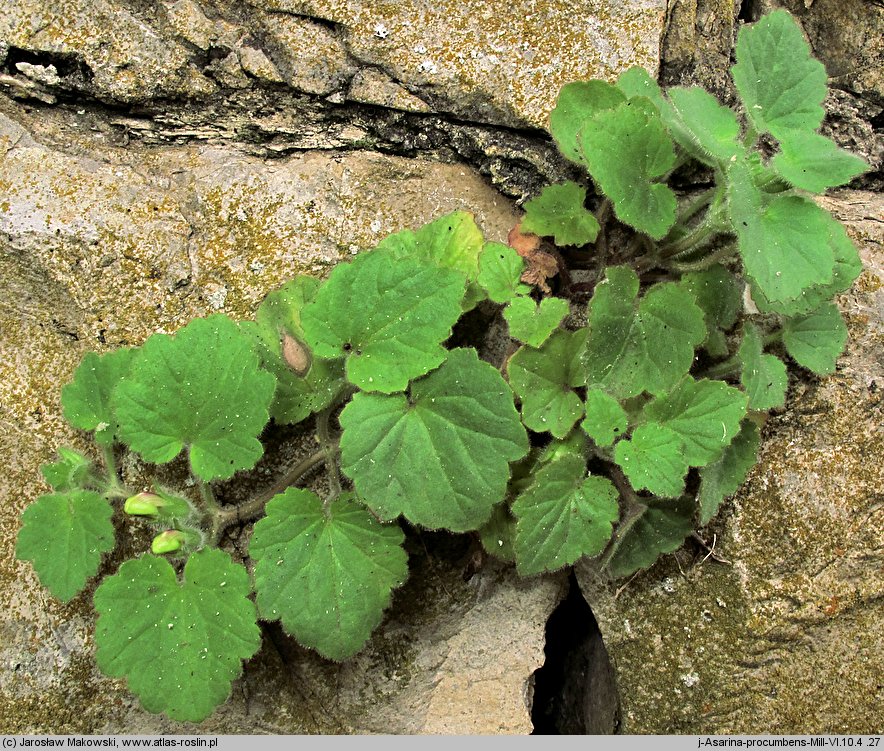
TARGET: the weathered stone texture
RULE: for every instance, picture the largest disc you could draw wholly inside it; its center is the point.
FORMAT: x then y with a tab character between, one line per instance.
486	60
698	42
788	637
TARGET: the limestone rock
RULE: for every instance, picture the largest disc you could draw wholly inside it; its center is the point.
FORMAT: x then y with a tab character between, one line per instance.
309	56
106	48
787	639
697	44
370	86
492	61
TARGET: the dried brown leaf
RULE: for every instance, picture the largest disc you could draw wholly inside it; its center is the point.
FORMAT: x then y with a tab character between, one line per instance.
540	265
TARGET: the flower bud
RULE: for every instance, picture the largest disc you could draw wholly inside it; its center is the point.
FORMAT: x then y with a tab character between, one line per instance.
143	504
167	542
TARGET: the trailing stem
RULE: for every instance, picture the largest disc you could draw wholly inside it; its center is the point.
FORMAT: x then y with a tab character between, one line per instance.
704	262
255	507
725	369
330	447
633	509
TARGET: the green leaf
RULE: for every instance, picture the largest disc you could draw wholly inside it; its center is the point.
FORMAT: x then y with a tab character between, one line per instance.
626	149
564	515
848	267
386	316
716	344
201	388
532	323
64	535
328	575
500	273
785	244
578	103
816	340
451	242
72	472
605	419
180	644
712	127
86	401
661	528
813	162
637	82
724	477
705	414
574	444
559	212
544	380
653	460
300	389
763	376
780	83
498	533
441	455
719	295
649	346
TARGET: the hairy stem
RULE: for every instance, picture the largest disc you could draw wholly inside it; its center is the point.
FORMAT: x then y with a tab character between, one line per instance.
725	369
634	508
681	159
208	498
704	262
693	206
254	507
330	447
733	365
625	489
712	225
212	508
113	488
601	242
774	337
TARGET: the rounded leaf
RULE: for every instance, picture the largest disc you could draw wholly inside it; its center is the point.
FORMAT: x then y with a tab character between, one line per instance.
545	379
558	212
87	399
626	150
386	316
564	515
500	273
817	339
653	460
201	388
64	535
304	384
179	644
780	83
327	575
533	323
441	455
